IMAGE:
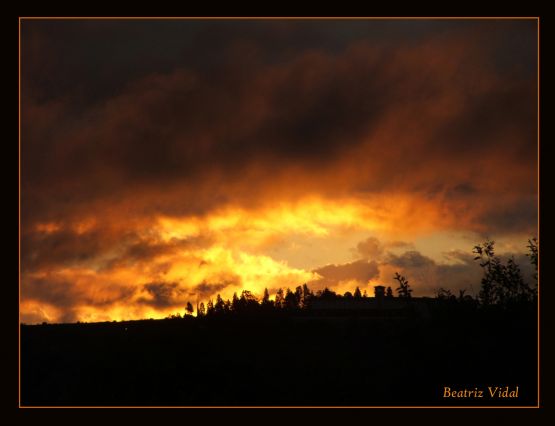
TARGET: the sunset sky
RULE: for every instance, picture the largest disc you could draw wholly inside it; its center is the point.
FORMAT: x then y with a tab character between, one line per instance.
165	161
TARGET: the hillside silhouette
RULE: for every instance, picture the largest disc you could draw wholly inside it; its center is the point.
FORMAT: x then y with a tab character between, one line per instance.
304	348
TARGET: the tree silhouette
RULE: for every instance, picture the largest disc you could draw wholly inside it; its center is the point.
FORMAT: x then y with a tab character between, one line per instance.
501	284
266	298
327	294
444	294
389	293
280	299
516	288
404	289
247	302
219	307
189	308
486	255
306	297
235	303
249	297
299	296
201	310
290	299
533	255
210	308
357	294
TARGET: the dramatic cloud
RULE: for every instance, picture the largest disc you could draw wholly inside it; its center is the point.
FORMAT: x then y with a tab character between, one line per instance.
206	290
371	248
161	294
410	259
360	271
216	156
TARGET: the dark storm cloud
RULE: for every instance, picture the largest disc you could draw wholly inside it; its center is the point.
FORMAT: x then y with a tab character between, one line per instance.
101	247
205	289
64	248
103	56
144	250
162	294
518	215
489	123
195	131
67	294
57	292
88	61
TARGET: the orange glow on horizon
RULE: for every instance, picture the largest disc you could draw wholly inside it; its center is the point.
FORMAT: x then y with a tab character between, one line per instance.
228	250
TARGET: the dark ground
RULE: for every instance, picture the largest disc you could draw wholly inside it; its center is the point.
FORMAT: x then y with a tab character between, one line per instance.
280	361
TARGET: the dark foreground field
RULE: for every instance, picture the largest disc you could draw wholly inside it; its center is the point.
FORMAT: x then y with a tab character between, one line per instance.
280	360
